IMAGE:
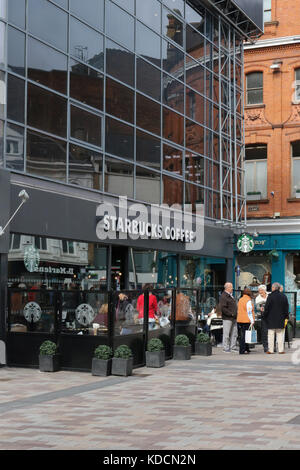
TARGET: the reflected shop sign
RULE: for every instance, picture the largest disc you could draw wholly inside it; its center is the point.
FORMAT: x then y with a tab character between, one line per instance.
155	222
32	261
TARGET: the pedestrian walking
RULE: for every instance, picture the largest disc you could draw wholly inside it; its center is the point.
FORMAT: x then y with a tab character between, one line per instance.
228	308
245	318
275	314
260	303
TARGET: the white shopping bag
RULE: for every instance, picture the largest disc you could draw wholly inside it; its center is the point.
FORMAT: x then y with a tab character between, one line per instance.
251	336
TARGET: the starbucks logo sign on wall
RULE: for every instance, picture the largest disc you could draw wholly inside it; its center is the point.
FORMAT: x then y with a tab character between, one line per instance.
31	258
245	243
32	312
85	314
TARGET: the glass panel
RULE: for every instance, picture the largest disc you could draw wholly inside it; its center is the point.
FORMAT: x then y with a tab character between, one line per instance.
2	94
2	44
250	176
16	12
86	44
173	93
172	191
148	79
119	25
119	63
84	313
173	124
193	195
14	149
147	149
195	18
1	142
194	105
128	4
261	178
194	168
150	13
46	157
118	177
28	317
91	11
147	114
86	126
3	9
15	98
48	22
194	136
176	5
16	51
194	43
62	3
126	313
254	80
172	27
186	307
173	60
47	66
86	84
195	75
119	139
85	167
147	43
147	186
254	97
119	100
46	111
296	175
172	159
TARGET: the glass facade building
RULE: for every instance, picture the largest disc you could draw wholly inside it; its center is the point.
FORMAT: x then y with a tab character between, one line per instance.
107	98
137	98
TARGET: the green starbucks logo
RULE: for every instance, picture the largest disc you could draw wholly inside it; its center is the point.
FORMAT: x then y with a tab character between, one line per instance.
31	258
245	243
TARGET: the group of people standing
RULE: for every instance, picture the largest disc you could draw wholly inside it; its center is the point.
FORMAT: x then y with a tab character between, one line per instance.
238	317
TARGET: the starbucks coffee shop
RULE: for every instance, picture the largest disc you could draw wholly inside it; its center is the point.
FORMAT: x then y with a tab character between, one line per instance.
109	99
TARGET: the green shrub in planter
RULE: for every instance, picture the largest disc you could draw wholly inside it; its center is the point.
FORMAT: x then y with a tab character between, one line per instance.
182	349
102	360
48	357
155	354
122	362
202	345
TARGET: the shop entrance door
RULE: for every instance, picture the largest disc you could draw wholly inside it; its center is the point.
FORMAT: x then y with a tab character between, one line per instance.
119	268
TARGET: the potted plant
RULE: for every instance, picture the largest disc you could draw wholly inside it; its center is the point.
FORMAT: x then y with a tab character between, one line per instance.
253	195
122	362
203	345
155	354
49	358
101	363
182	349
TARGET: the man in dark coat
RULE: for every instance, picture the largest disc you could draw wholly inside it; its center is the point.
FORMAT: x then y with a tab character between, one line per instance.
275	314
228	308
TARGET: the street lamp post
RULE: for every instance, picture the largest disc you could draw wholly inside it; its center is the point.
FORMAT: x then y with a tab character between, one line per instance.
23	195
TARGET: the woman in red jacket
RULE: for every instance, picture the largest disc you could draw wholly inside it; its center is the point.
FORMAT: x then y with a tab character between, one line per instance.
152	307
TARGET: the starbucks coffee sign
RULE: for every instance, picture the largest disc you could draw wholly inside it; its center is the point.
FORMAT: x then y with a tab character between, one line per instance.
245	243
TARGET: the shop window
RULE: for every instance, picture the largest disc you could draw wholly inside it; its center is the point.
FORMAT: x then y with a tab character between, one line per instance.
256	171
14	155
254	88
296	168
267	10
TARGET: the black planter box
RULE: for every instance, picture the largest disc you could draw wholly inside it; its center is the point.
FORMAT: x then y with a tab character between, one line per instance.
101	367
203	349
122	366
155	358
182	353
49	363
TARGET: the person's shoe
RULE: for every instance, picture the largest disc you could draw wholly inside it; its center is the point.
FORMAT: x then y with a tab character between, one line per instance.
269	352
283	352
226	351
235	350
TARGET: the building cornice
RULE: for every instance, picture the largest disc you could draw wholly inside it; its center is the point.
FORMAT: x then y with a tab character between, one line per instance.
274	42
275	226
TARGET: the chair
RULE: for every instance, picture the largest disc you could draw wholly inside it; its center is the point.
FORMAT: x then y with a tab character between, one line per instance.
217	333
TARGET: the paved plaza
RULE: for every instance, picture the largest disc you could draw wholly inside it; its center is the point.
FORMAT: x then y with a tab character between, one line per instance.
225	401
